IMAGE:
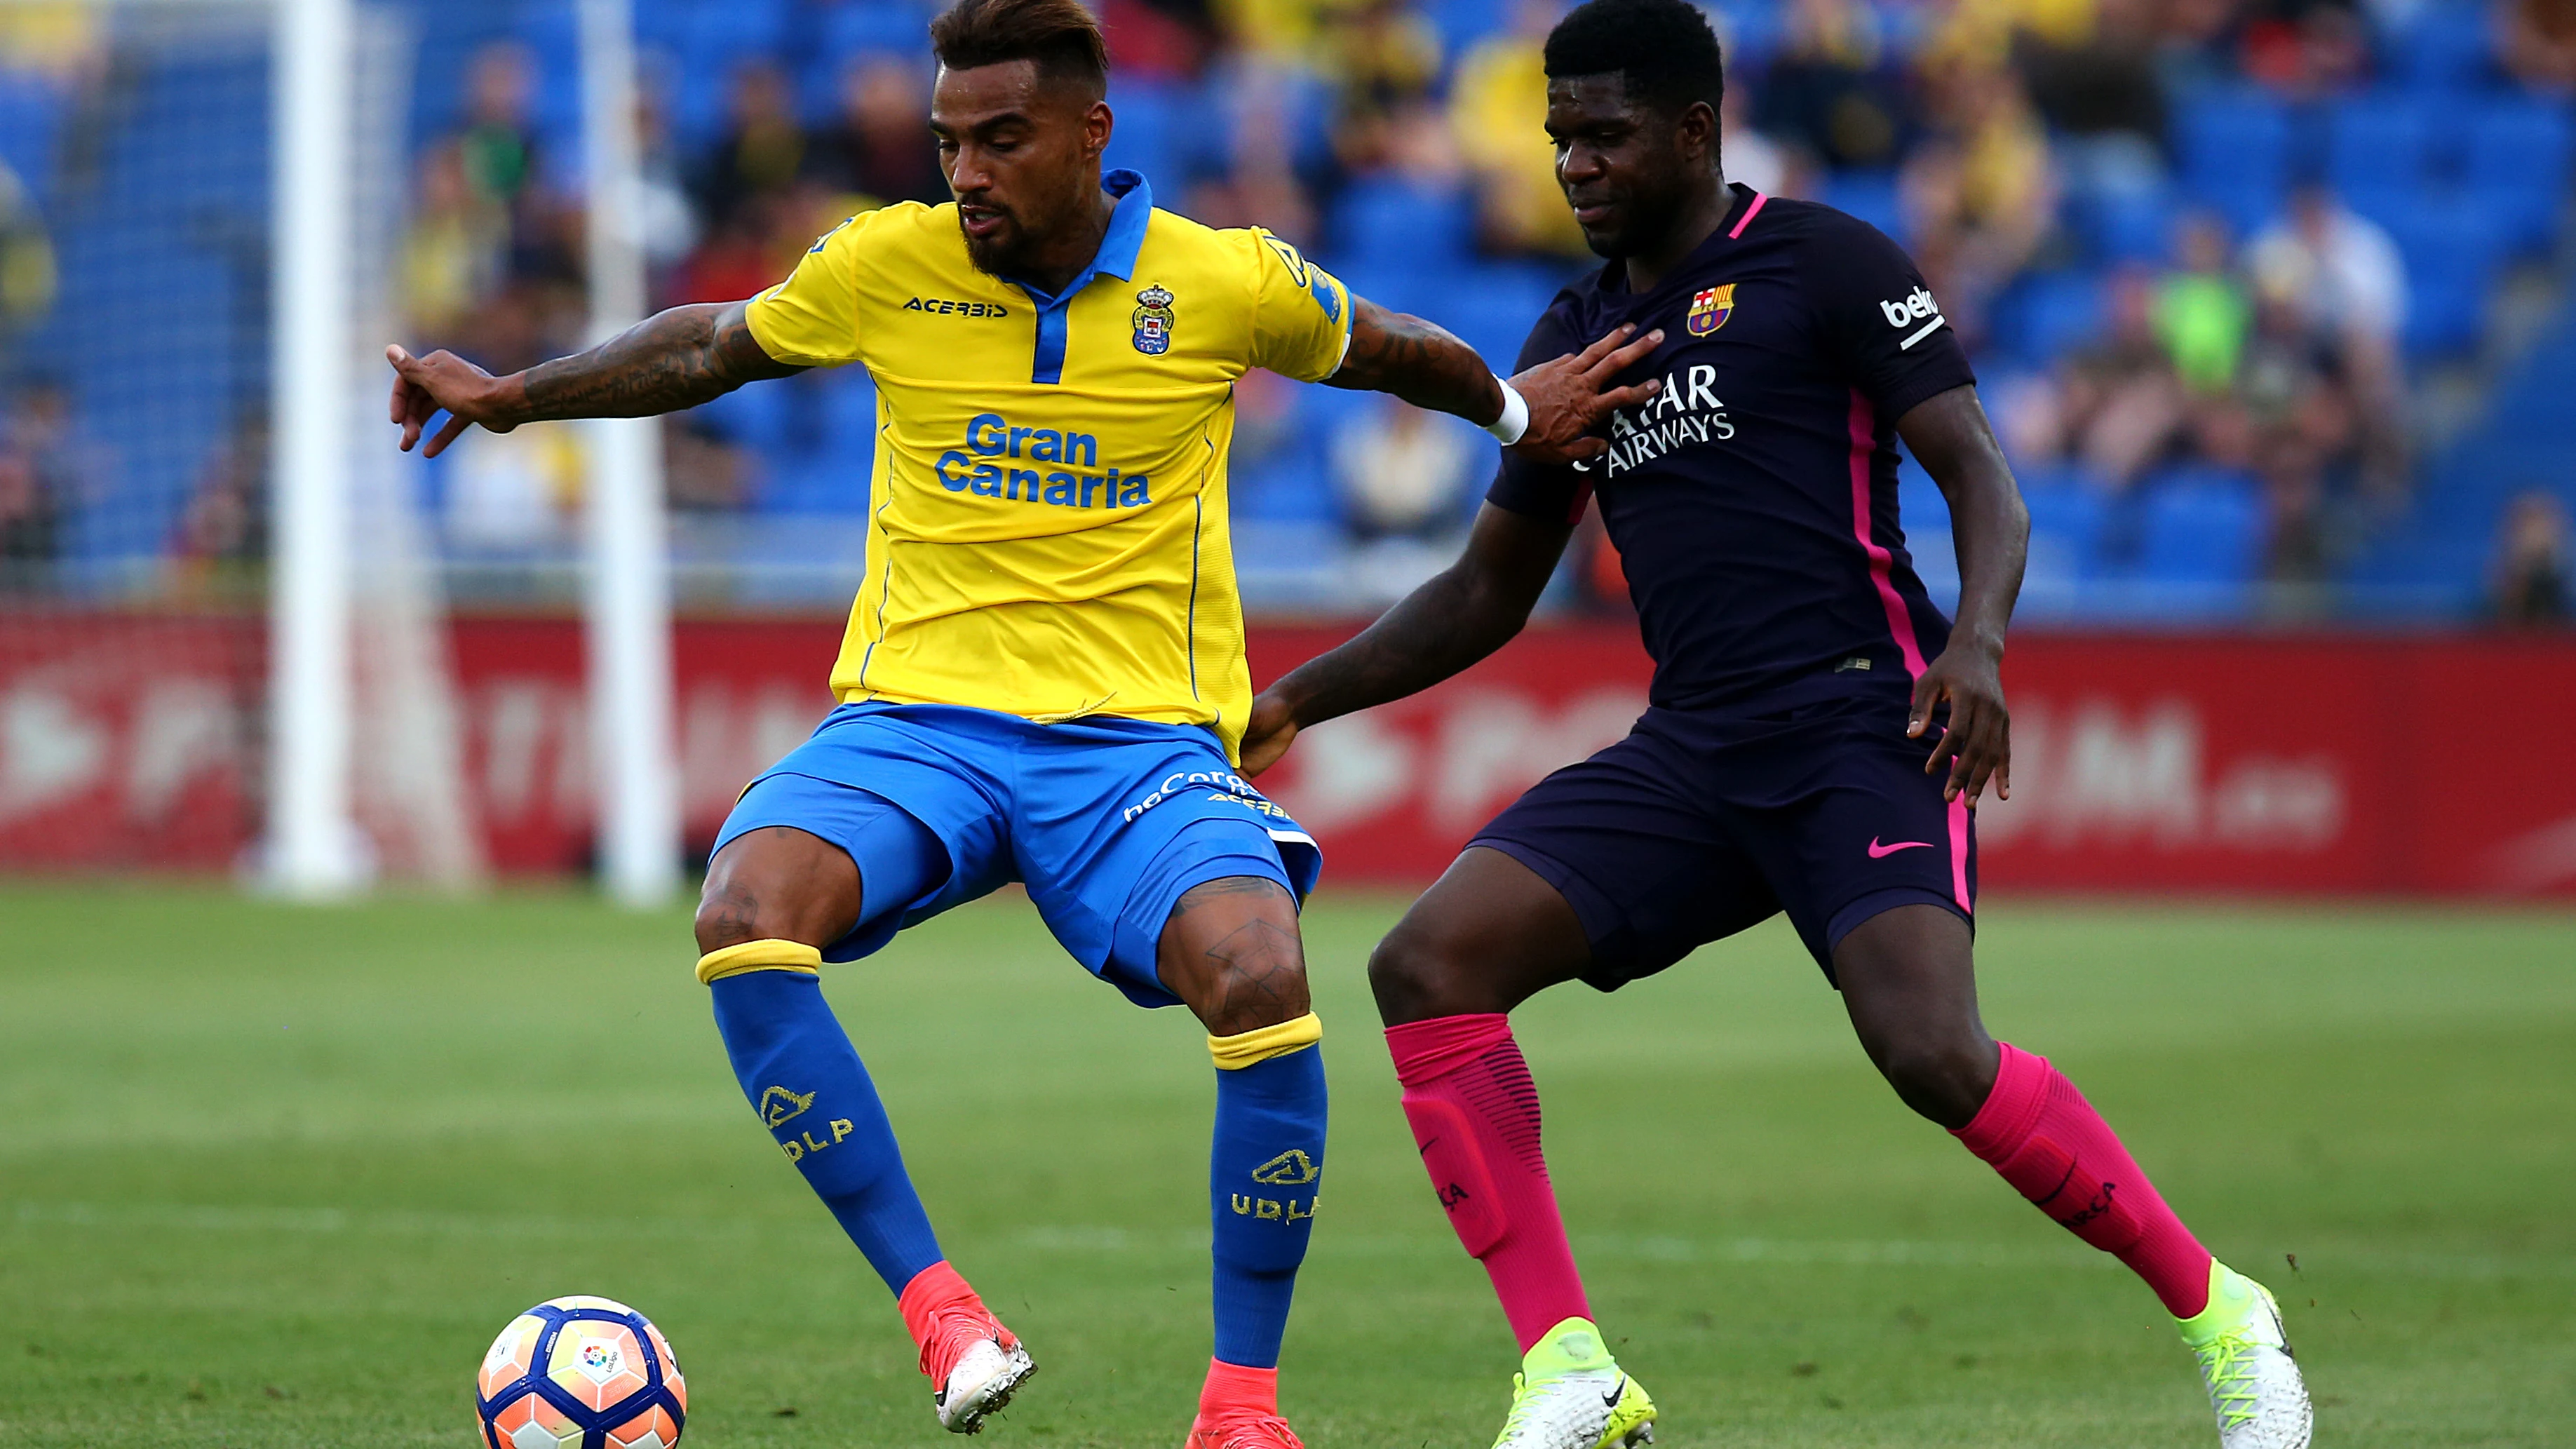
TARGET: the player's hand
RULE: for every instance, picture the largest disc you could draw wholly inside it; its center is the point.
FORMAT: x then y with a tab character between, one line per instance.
1273	728
1571	396
1978	744
443	381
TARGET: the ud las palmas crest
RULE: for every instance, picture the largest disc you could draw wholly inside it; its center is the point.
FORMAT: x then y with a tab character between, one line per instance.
1153	318
1710	309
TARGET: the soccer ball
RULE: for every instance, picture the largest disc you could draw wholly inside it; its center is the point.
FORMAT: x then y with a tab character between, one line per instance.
580	1373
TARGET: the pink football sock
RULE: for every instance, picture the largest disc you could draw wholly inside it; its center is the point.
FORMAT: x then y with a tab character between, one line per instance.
1474	1112
2049	1143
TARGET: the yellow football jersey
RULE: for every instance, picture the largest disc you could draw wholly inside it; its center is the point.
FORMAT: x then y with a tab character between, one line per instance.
1047	530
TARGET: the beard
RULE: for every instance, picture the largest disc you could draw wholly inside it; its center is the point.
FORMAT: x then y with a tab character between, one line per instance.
1002	254
1643	220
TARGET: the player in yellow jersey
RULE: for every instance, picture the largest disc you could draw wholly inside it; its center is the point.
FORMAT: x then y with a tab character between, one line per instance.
1043	678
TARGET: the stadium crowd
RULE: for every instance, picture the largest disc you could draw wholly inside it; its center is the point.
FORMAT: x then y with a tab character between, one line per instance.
2205	252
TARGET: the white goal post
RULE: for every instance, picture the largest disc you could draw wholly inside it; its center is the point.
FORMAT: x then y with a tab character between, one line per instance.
325	421
312	846
627	604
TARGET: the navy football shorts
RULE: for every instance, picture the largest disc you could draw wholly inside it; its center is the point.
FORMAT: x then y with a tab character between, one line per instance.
1697	826
1106	820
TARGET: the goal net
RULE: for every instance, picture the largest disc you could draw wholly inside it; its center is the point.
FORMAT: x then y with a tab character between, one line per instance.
140	396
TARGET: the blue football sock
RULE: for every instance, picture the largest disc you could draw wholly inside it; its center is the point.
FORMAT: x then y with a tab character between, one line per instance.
1263	1173
804	1078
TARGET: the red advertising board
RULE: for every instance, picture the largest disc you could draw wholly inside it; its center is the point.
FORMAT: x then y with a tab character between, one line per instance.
2299	763
128	740
2306	764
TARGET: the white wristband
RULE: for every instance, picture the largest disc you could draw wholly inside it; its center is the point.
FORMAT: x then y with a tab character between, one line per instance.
1508	428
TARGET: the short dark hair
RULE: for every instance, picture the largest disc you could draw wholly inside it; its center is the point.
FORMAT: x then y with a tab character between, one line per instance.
1663	49
1060	35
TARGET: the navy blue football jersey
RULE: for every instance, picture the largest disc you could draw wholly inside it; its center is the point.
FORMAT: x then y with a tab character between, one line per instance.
1753	500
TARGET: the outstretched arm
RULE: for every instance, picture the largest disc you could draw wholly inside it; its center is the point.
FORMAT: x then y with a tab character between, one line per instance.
1952	439
672	360
1568	397
1449	623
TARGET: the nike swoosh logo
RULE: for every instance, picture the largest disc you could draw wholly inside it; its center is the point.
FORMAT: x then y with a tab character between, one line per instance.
1615	1392
1878	851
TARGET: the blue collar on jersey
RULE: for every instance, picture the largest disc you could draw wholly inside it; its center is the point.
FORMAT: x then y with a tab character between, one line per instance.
1117	257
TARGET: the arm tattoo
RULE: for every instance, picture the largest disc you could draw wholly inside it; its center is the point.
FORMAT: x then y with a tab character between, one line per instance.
1418	362
673	360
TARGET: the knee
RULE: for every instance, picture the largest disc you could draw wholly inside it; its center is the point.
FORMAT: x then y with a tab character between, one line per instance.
1232	952
1942	1075
1260	992
1417	974
722	921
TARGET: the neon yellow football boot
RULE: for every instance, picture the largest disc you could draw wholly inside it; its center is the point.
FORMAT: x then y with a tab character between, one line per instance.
2254	1384
1570	1394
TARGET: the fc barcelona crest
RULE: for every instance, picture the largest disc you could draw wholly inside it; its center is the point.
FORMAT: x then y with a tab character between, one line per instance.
1710	309
1153	319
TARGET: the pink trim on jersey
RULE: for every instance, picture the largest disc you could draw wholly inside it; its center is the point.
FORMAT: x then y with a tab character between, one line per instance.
1746	219
1959	855
1864	447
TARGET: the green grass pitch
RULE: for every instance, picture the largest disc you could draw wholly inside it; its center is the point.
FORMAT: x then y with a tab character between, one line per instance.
274	1176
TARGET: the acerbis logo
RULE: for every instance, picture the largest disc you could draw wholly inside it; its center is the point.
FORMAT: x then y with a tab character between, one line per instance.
950	307
1913	309
1292	1168
778	1104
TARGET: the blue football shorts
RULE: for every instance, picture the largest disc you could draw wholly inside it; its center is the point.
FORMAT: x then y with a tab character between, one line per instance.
1105	820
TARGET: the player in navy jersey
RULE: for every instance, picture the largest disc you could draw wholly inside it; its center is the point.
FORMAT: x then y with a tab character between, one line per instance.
1816	735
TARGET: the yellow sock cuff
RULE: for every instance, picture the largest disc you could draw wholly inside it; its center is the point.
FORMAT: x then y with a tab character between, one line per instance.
1234	1053
759	956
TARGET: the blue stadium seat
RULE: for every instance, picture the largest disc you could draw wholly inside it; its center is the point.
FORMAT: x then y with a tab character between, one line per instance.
2444	47
1142	135
1751	32
758	418
2452	254
2381	139
704	46
1491	308
1869	195
714	32
1462	23
2247	206
849	413
2066	511
1290	486
2126	225
2056	313
1161	130
31	121
2233	142
1388	225
823	483
2200	527
2065	541
842	33
2518	155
